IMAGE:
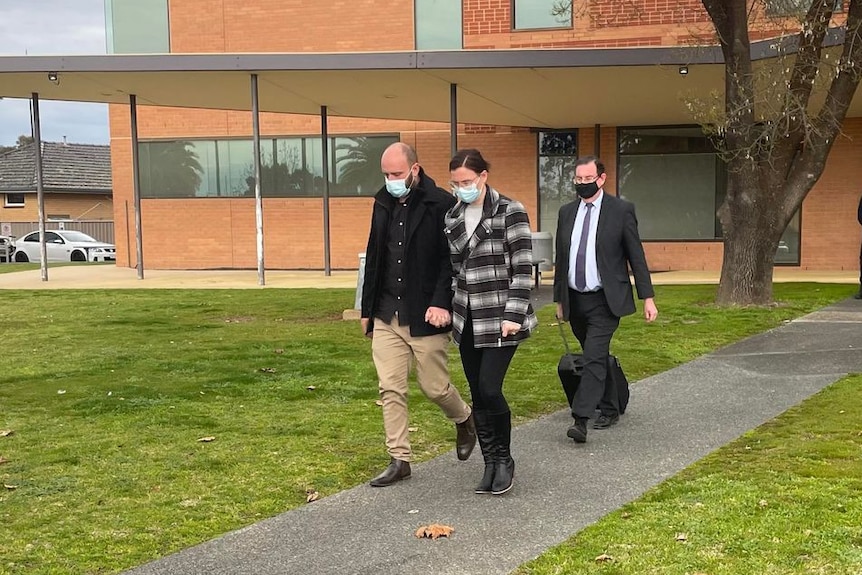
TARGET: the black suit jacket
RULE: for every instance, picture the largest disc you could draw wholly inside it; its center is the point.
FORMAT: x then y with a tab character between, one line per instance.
618	247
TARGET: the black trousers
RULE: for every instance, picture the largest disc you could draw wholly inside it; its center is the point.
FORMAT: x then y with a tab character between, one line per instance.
485	369
593	324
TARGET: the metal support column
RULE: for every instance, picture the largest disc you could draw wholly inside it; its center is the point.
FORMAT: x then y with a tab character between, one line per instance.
597	141
136	187
258	202
453	118
324	138
40	192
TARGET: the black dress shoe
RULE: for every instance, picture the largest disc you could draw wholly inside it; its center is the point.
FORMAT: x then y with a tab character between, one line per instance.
465	440
605	421
395	472
578	430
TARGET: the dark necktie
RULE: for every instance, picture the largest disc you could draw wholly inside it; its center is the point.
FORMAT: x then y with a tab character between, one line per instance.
581	257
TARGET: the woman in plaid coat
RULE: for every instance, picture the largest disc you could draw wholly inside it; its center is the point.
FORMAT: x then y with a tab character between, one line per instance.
491	248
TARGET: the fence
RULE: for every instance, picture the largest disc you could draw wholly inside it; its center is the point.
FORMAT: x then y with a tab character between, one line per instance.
102	230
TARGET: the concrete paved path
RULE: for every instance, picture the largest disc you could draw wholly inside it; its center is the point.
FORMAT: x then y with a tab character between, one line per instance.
674	419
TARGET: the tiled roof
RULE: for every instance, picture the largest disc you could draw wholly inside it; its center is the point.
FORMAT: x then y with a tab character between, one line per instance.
65	167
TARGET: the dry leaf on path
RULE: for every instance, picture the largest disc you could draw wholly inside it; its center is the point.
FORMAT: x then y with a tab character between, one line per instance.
6	432
311	495
434	531
604	558
206	439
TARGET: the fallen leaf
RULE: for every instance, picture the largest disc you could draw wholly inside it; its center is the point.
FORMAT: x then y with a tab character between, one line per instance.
762	503
434	531
412	429
681	537
206	439
10	487
625	515
3	460
380	404
279	351
311	495
6	433
603	558
61	391
412	511
310	388
267	369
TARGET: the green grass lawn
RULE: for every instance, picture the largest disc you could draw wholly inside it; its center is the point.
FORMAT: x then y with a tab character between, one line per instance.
108	393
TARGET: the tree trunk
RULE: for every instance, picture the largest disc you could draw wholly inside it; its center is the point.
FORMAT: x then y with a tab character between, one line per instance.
746	271
752	220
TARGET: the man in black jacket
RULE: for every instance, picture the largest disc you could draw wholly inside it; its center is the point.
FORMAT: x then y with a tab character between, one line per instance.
407	304
597	241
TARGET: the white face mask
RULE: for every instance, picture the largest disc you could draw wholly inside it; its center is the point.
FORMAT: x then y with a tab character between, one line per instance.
469	194
398	188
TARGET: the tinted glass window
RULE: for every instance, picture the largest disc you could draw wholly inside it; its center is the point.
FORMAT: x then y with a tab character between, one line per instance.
438	25
137	26
533	14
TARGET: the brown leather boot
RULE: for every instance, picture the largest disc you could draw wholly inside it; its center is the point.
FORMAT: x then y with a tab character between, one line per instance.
395	472
466	438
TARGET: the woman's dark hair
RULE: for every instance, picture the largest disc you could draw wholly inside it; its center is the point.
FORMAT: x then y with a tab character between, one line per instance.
471	159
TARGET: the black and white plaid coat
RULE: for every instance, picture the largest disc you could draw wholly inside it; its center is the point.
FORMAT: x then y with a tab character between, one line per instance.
492	271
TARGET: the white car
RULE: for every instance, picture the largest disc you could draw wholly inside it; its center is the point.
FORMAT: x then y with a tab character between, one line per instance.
64	246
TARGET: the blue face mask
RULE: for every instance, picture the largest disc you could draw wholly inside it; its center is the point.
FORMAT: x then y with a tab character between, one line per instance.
469	194
398	188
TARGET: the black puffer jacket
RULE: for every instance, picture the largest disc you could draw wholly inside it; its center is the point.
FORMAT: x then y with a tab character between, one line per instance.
427	267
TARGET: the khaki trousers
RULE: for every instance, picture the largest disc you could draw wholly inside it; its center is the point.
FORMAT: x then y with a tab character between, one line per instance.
393	350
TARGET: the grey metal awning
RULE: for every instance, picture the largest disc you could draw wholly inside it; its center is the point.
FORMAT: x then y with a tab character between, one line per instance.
535	88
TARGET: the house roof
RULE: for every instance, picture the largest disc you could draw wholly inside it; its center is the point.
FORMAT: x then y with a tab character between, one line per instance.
83	168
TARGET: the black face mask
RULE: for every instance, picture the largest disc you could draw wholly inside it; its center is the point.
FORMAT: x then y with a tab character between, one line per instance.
587	190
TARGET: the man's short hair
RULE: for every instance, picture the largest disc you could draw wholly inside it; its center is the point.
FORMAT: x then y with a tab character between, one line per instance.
585	160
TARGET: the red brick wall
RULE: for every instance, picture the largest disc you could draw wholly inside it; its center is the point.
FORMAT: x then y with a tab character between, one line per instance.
223	234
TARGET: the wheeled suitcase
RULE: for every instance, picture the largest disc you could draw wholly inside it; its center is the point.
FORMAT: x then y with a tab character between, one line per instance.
571	366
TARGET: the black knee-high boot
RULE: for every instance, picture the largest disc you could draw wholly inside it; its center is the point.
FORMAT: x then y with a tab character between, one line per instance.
485	433
504	465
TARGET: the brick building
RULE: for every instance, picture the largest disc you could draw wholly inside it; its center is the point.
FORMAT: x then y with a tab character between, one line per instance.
196	165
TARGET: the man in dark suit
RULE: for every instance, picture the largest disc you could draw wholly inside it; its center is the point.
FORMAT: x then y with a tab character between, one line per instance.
597	241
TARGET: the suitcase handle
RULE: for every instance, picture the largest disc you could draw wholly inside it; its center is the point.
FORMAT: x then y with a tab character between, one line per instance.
563	335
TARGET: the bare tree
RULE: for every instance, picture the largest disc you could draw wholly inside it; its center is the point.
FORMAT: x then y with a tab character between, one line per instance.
777	154
776	123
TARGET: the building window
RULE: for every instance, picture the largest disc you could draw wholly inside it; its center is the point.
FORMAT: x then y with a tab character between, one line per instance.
677	181
557	154
14	201
438	24
137	26
538	14
795	7
290	167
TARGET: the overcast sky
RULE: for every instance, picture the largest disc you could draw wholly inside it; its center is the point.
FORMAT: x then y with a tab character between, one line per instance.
43	27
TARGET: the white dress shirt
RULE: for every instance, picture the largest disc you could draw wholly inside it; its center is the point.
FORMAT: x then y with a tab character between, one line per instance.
593	281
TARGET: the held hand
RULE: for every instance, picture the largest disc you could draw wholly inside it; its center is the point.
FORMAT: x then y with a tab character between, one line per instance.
650	311
510	328
363	322
438	317
560	312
